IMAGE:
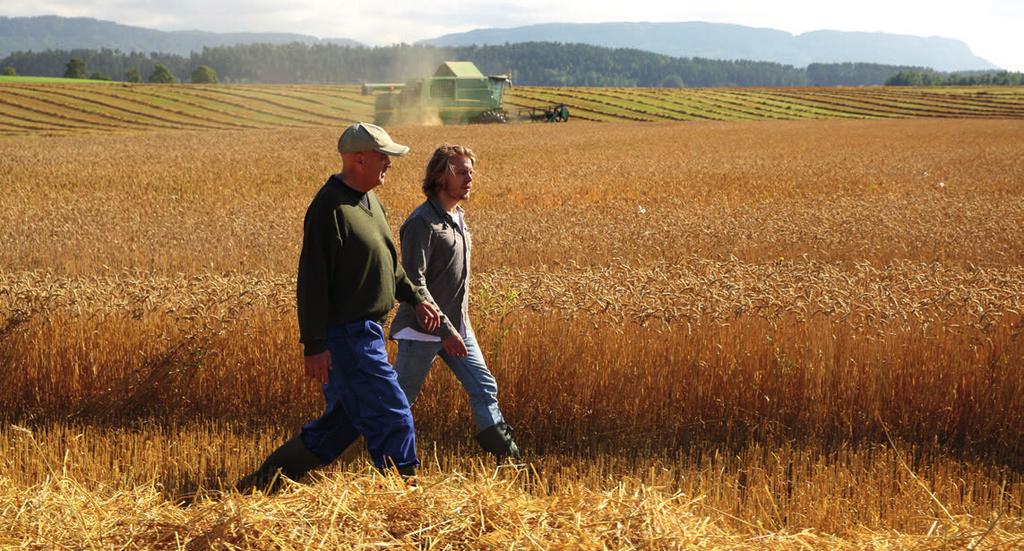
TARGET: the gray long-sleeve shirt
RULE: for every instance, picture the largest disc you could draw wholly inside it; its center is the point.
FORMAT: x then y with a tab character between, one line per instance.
435	255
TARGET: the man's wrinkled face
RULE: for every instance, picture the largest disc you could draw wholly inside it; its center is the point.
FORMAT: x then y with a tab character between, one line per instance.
458	181
375	166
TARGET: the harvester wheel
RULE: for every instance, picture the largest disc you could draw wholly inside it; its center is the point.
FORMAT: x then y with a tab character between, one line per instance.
491	116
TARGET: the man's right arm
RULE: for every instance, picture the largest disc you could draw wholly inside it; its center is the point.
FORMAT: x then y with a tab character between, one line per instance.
320	239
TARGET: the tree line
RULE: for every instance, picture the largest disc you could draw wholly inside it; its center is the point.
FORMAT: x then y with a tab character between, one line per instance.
531	63
932	78
76	68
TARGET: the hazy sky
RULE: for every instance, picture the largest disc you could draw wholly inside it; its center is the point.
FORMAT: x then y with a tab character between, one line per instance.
992	28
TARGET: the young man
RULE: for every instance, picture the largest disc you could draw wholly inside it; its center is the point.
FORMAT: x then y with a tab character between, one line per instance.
348	280
436	246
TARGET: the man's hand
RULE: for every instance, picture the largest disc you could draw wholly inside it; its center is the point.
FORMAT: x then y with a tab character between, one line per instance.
317	366
455	346
429	317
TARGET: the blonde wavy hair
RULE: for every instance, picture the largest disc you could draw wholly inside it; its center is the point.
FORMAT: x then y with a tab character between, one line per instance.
441	164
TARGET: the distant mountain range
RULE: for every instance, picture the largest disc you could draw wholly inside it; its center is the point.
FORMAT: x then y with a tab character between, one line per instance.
724	41
693	39
50	32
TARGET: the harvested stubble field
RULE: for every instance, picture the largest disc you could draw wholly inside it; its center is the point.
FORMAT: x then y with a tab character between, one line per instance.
72	108
711	335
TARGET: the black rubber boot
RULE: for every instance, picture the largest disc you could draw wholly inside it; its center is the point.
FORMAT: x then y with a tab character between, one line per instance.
292	459
497	440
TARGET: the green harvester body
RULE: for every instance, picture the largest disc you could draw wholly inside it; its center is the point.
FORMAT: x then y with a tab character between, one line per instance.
458	93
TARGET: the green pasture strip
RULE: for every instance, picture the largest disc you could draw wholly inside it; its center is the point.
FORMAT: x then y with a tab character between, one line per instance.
1015	103
1016	92
787	109
981	98
869	109
348	93
693	101
903	105
81	107
901	101
727	107
171	105
813	100
8	133
110	107
632	98
15	123
607	96
243	110
30	107
35	118
601	97
651	105
547	99
729	104
51	80
254	105
346	98
687	101
669	101
341	110
958	104
917	104
335	110
722	107
797	110
952	108
231	110
291	104
316	102
178	101
654	105
561	95
713	107
171	111
270	105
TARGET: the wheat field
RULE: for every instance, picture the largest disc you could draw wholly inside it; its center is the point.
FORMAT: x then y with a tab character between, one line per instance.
719	335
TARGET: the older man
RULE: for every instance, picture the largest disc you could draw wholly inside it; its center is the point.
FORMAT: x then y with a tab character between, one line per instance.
348	279
436	246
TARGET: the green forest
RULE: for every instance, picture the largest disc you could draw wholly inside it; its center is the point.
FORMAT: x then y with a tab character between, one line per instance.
531	64
932	78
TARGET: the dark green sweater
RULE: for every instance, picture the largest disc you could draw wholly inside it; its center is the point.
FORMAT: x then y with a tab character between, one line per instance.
348	269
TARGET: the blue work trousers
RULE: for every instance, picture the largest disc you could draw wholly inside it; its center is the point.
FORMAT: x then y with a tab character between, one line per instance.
363	398
413	364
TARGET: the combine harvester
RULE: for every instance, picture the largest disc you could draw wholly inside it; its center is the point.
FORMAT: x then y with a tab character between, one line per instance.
458	93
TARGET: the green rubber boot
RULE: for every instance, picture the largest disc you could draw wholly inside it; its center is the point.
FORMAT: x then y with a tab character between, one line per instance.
497	440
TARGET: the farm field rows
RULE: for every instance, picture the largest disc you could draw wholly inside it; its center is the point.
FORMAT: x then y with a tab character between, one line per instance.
62	108
752	334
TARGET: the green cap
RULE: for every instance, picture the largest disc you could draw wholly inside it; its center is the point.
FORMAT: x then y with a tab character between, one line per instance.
363	136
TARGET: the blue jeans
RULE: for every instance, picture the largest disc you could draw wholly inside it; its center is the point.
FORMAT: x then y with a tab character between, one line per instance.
363	398
413	363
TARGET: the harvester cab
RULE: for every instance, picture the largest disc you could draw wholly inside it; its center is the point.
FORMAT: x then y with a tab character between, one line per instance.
458	93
